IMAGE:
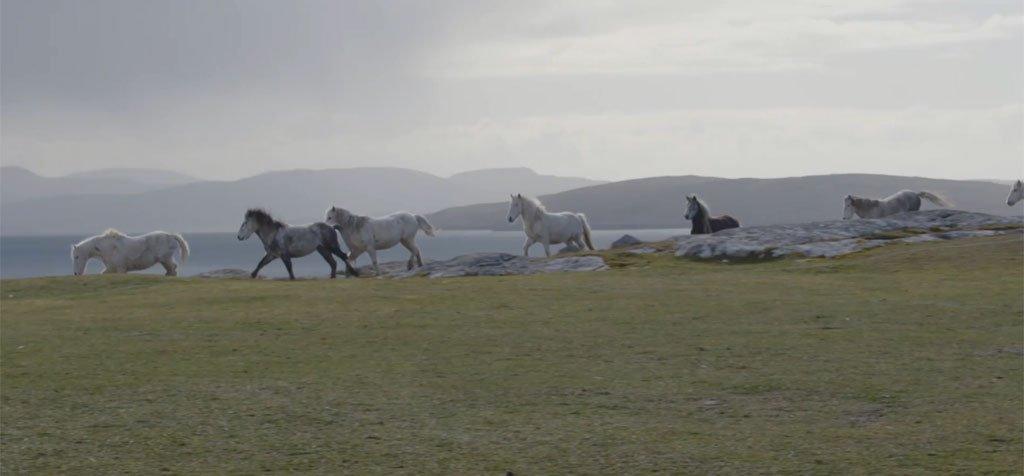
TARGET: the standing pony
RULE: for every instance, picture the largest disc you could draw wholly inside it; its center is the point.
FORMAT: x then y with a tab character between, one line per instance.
121	253
371	234
1016	193
902	201
549	228
286	242
703	222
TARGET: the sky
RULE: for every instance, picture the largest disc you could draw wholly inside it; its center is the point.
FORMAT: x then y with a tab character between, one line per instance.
599	89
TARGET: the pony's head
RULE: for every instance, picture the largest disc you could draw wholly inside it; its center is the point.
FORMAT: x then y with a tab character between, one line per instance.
255	218
692	207
515	209
337	217
849	207
1016	193
80	254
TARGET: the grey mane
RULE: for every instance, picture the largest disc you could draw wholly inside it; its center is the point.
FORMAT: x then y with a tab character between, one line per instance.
263	219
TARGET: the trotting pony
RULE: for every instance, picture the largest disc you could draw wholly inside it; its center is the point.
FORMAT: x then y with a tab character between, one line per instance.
549	228
902	201
703	223
121	253
281	240
362	233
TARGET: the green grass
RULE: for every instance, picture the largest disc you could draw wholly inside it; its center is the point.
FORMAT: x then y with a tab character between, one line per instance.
901	359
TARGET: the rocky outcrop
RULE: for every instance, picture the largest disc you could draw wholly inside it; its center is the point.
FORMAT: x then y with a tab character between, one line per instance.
569	249
835	238
626	241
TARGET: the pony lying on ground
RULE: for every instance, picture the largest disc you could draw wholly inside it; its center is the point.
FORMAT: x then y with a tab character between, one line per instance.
1016	193
902	201
367	234
281	240
548	228
703	223
121	253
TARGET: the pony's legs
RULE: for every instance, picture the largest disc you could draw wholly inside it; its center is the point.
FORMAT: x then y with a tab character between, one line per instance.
170	266
288	265
547	246
581	244
347	259
373	257
414	253
326	253
263	262
526	246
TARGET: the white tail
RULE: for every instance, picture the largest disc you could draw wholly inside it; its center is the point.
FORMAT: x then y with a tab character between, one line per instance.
931	197
586	231
183	246
425	226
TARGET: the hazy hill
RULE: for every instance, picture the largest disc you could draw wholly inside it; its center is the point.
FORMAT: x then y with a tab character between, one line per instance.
498	183
297	196
17	183
657	202
146	176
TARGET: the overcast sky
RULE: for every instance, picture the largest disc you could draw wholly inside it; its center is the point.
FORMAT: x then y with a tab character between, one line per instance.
608	90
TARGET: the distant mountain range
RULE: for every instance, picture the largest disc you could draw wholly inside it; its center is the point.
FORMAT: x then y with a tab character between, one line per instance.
657	202
147	176
136	200
17	183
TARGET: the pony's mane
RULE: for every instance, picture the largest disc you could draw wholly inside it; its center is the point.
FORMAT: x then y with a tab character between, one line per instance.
536	203
263	218
705	216
108	233
353	221
533	209
861	201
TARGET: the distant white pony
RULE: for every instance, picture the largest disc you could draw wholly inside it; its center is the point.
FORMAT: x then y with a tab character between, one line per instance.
902	201
121	253
366	234
1016	193
547	228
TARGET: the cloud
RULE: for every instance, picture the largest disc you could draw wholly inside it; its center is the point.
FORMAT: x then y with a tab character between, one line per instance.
731	37
586	87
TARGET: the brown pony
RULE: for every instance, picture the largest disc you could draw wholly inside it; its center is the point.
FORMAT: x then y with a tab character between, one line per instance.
703	222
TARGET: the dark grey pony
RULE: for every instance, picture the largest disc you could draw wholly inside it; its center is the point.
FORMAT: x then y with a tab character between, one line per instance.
703	222
286	242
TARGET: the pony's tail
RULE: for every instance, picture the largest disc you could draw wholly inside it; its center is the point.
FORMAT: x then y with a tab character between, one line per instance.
931	197
183	246
426	226
586	231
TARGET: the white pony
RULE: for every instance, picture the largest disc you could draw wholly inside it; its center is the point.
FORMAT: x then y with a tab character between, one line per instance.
366	234
1016	193
549	228
121	253
902	201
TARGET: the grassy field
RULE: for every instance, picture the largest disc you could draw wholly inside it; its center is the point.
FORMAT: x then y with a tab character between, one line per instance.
901	359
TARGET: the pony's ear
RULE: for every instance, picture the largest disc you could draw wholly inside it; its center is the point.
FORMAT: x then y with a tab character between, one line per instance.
519	195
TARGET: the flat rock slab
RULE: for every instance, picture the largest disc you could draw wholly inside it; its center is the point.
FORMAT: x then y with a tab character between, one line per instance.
501	264
840	237
227	273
